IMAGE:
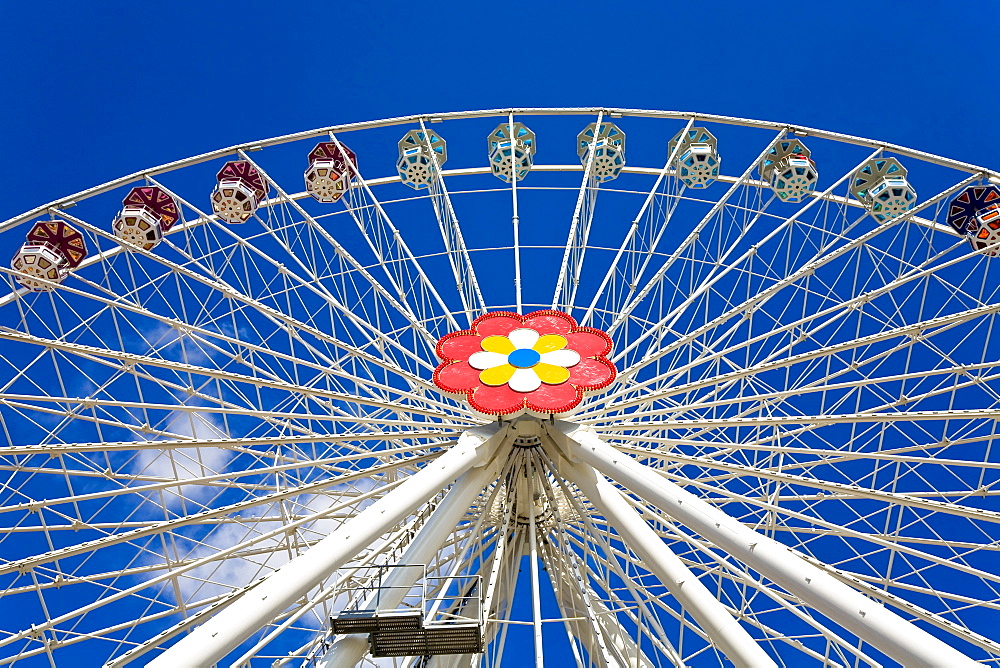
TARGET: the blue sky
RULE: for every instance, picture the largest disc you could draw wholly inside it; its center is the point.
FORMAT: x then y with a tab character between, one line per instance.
95	90
92	91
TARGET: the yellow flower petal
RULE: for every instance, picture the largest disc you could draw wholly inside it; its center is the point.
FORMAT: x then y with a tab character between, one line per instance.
499	375
498	344
548	343
549	373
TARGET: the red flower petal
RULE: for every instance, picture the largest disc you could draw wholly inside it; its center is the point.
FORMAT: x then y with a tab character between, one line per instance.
500	400
589	343
592	374
500	324
554	398
457	377
459	347
549	322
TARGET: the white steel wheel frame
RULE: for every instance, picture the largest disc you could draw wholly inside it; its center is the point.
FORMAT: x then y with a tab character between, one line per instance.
794	467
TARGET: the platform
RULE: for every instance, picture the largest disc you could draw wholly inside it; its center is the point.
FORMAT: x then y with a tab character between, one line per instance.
451	639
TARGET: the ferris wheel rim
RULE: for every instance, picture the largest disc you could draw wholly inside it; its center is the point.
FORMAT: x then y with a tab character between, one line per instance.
611	112
590	413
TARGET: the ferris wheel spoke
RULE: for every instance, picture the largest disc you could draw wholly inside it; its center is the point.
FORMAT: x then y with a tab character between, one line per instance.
841	307
641	240
608	604
598	631
943	380
500	590
811	334
128	360
285	230
515	219
909	333
669	570
743	309
318	282
74	405
826	254
844	490
744	580
870	586
860	448
571	611
579	229
380	349
26	564
130	422
176	569
740	187
713	267
858	581
704	608
246	445
823	456
393	254
911	397
722	568
306	607
872	439
207	340
875	542
762	402
181	425
179	565
359	358
454	242
813	420
640	480
227	480
500	572
208	606
70	637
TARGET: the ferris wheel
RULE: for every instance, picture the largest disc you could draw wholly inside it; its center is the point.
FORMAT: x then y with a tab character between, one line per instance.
578	387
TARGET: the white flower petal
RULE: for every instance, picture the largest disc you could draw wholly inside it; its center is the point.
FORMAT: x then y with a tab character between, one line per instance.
563	358
524	380
486	360
523	338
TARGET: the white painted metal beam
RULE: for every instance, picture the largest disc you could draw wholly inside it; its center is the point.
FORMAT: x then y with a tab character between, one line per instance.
350	649
71	200
266	599
869	620
690	592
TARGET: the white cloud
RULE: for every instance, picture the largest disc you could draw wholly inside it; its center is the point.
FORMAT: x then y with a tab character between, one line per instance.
185	463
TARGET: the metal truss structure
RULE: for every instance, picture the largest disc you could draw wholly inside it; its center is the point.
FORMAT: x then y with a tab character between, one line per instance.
215	448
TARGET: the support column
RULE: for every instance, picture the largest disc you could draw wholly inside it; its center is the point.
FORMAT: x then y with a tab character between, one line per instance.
536	602
350	649
262	602
707	611
902	641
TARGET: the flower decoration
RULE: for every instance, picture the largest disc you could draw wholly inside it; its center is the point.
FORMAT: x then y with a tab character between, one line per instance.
509	363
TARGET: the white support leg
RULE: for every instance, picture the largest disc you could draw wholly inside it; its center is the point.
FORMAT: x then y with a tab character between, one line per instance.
869	620
262	602
711	615
536	599
350	649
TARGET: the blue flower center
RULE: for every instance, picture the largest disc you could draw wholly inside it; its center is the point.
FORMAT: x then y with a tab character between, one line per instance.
523	358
